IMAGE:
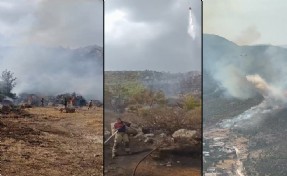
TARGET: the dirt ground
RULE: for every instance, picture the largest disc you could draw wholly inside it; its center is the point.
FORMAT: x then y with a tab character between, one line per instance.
44	141
124	164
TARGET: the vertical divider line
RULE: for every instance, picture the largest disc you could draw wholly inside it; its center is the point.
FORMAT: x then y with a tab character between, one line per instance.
201	87
103	87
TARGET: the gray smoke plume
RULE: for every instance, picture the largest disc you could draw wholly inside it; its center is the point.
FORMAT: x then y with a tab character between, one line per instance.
51	71
248	36
53	47
230	65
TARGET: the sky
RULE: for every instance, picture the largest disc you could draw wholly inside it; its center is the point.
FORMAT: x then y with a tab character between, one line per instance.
141	35
66	23
246	22
38	42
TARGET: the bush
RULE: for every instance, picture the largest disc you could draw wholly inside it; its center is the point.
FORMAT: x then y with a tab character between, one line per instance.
168	119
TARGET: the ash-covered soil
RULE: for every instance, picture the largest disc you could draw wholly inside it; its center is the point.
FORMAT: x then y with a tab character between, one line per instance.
267	146
44	141
265	149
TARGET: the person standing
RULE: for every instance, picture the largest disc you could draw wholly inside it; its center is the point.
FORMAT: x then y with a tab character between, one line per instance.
42	102
65	102
121	136
90	104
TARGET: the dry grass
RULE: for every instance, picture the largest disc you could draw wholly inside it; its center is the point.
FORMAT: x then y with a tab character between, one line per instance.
49	142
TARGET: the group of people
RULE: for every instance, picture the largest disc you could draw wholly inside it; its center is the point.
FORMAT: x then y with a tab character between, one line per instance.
72	102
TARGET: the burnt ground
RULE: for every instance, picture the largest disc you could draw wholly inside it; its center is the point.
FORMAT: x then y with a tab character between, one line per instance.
266	146
182	164
44	141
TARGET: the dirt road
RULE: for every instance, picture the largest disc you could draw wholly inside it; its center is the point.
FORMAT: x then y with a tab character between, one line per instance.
44	141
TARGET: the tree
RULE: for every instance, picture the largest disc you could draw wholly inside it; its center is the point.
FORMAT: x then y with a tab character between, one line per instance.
189	102
8	83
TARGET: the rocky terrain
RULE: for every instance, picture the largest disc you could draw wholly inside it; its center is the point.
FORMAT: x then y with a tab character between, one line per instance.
172	154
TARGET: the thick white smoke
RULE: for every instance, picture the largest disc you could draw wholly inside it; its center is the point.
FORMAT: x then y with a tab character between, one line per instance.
52	71
53	47
274	99
265	89
243	72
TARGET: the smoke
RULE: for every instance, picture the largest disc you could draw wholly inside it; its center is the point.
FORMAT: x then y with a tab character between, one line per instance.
274	100
56	23
53	47
266	90
52	71
244	72
248	36
235	85
192	25
230	65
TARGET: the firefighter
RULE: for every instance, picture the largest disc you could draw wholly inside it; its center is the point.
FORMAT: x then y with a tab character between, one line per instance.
65	102
121	136
42	102
90	104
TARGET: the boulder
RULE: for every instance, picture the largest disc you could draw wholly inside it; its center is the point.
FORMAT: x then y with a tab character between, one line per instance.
148	140
184	133
149	135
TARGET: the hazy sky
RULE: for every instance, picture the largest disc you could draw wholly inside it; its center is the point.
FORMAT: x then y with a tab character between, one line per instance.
67	23
142	35
41	35
247	21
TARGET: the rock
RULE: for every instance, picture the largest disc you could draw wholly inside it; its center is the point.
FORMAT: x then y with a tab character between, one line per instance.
139	135
184	133
149	135
146	130
132	131
168	164
148	140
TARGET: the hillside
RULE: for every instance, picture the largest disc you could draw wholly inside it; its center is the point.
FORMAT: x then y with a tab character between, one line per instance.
257	117
172	84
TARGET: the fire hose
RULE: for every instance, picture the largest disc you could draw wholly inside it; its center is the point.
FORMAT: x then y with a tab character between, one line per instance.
134	172
111	136
114	135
